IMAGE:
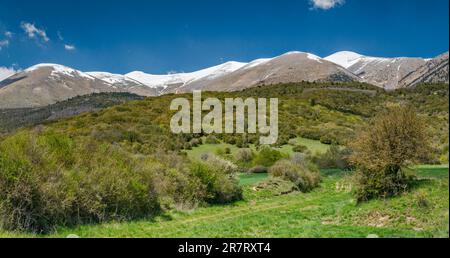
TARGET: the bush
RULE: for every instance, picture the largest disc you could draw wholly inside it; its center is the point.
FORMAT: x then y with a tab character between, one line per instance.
267	156
49	180
195	142
334	157
381	184
276	186
301	159
383	151
305	177
211	139
300	148
244	155
225	166
204	156
220	187
326	139
258	170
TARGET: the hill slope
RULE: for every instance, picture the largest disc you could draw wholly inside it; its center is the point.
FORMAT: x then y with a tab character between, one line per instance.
11	119
46	84
290	67
435	70
382	72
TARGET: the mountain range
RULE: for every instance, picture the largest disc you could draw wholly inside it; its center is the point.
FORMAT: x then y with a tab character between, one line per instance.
45	84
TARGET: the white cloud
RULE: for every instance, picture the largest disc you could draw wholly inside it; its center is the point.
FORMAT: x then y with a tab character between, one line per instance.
6	72
4	43
8	34
69	47
33	32
326	4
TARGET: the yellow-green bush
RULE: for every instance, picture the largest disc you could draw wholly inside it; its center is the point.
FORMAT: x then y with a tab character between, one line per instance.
305	176
267	156
221	187
48	180
382	152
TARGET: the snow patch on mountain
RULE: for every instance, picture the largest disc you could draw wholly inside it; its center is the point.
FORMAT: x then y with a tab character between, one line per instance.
344	58
155	81
58	70
6	72
112	78
314	57
257	62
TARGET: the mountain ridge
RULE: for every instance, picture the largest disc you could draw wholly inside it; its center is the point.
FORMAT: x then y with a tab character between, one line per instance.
45	84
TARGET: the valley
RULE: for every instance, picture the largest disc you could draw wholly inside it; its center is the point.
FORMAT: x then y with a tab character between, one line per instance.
126	137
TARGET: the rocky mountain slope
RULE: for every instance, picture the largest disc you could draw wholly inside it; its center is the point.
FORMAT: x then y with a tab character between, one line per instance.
46	84
382	72
290	67
172	82
124	83
435	70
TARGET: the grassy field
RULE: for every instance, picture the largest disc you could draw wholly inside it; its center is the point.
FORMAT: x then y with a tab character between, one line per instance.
312	145
329	211
250	179
196	152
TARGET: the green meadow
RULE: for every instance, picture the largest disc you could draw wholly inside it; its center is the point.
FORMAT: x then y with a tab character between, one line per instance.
328	211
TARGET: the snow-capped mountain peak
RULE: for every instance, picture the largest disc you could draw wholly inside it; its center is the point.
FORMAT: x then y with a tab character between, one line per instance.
380	71
58	70
163	81
344	58
112	78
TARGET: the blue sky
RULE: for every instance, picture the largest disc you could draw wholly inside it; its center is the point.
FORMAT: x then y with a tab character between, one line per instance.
162	36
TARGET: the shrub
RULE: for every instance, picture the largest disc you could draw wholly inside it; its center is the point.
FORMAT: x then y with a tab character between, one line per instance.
48	180
220	187
195	142
131	136
211	139
267	156
300	148
383	150
422	200
334	157
220	152
305	177
204	156
225	166
244	155
327	139
258	170
276	186
300	159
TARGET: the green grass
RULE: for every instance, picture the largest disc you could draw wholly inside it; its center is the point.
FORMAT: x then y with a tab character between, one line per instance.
312	145
329	211
197	152
432	171
250	179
